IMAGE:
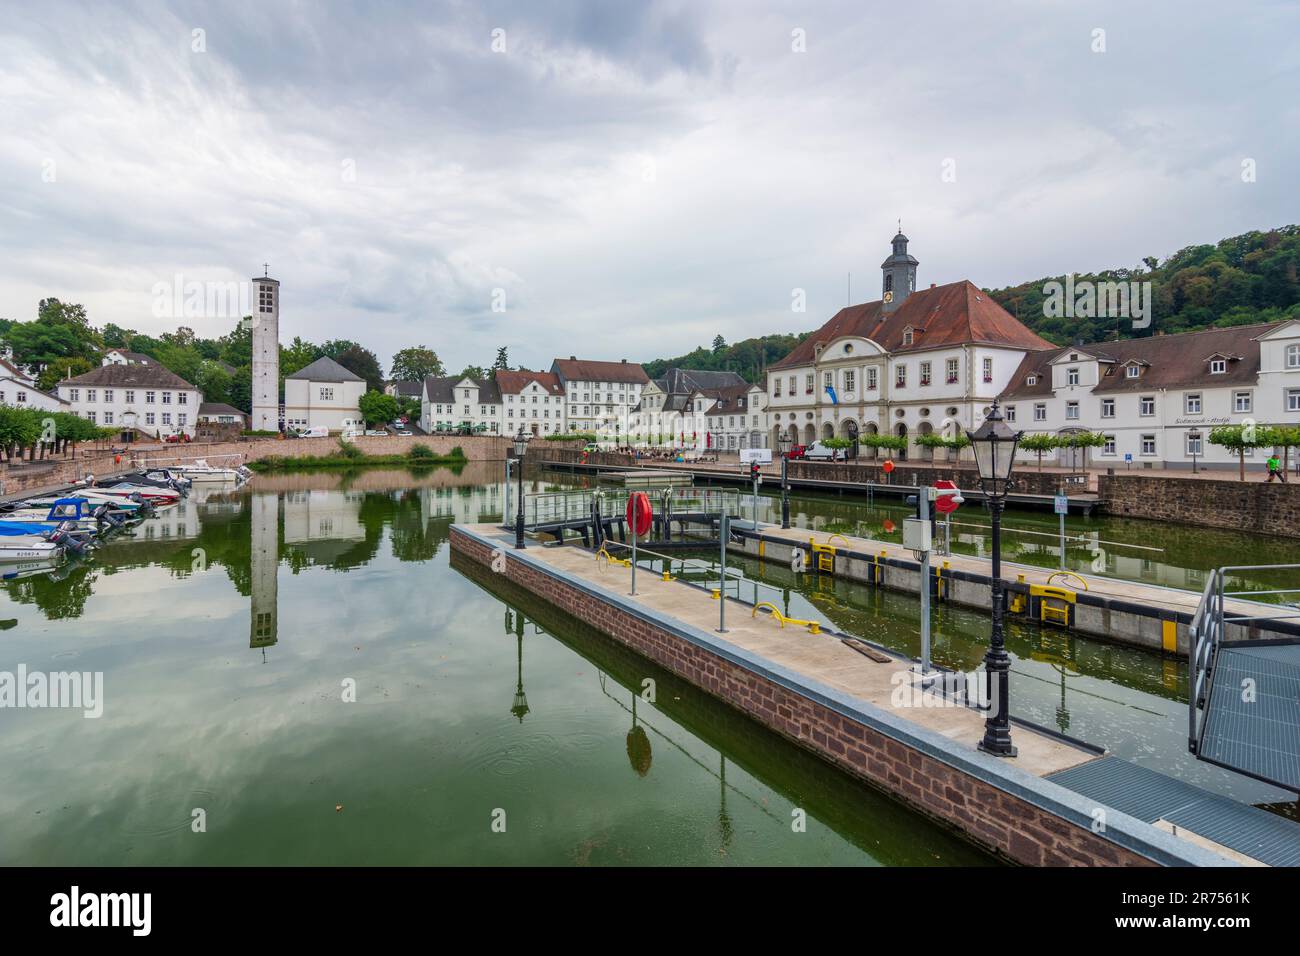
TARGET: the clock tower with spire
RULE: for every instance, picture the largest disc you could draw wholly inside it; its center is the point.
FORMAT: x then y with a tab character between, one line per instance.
898	274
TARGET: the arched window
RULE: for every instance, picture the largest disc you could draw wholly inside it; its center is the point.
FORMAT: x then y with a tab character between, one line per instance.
889	282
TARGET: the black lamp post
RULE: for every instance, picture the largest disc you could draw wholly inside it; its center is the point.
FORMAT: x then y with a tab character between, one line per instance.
994	443
1194	443
521	446
784	442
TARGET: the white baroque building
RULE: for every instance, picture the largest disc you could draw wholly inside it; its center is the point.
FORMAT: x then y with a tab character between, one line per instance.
1156	399
599	395
134	396
913	362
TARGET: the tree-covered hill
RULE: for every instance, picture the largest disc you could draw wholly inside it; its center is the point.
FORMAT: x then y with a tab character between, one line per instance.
748	358
1254	277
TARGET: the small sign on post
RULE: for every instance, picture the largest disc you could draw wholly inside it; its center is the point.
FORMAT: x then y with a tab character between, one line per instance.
1062	504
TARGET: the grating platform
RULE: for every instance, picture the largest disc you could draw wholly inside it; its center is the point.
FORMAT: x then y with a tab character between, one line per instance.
1256	733
1151	796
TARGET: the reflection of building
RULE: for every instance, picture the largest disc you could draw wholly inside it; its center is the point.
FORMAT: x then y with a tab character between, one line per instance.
323	524
265	559
464	504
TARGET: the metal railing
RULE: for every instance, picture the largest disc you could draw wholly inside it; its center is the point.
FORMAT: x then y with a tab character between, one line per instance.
552	507
1207	632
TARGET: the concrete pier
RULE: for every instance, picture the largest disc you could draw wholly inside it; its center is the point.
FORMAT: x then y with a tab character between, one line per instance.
853	706
1127	612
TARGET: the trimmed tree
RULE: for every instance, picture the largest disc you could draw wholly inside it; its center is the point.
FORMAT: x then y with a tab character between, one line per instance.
1040	442
1238	438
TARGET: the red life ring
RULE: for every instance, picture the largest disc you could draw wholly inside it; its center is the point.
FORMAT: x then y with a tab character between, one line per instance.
888	466
639	514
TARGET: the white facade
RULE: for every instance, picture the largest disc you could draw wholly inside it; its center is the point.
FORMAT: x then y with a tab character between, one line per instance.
149	399
333	405
1228	377
266	357
450	404
854	386
18	389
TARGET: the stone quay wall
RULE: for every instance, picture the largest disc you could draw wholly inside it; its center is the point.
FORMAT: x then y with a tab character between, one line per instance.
1024	819
1254	505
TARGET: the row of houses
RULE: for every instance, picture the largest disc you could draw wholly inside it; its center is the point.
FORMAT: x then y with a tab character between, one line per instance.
135	394
916	362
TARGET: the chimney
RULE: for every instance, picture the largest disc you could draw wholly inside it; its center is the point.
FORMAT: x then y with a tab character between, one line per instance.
931	285
624	361
573	358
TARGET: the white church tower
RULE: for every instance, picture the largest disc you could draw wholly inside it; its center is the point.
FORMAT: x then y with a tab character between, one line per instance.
266	355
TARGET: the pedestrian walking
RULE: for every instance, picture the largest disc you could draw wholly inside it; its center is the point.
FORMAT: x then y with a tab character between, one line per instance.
1275	469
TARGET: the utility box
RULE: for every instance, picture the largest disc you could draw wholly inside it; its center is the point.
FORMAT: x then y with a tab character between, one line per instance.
916	534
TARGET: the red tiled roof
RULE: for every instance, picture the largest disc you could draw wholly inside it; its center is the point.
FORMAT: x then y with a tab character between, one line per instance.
515	382
582	370
954	314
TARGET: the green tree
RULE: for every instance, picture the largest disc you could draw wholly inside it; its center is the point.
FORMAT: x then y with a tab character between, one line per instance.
476	372
363	362
1239	438
60	369
502	363
416	364
1040	442
378	408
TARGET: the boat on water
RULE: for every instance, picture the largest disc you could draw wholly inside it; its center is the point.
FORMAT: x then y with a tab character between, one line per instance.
201	471
133	505
20	542
75	511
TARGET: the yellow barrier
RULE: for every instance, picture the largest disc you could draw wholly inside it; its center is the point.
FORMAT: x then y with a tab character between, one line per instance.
940	584
825	555
610	559
1049	612
814	627
1067	574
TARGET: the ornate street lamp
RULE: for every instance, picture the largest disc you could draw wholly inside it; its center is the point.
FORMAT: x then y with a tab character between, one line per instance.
521	446
784	442
994	443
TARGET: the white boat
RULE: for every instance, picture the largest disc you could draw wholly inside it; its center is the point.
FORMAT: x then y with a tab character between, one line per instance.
201	471
32	548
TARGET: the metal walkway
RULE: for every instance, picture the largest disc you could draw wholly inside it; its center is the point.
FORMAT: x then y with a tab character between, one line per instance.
1252	719
1151	796
1243	702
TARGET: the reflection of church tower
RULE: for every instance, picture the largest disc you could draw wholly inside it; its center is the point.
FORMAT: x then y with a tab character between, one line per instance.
266	355
264	519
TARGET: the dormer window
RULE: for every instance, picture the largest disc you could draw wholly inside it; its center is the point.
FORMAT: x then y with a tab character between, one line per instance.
1032	380
907	336
1218	366
1132	371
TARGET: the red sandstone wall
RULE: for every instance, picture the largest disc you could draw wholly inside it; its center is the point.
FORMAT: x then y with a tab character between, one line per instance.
1002	822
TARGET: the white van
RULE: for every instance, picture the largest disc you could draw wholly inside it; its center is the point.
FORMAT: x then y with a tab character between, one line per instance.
320	431
819	452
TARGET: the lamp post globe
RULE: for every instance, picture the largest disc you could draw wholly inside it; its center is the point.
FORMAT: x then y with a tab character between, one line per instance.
994	444
783	443
521	446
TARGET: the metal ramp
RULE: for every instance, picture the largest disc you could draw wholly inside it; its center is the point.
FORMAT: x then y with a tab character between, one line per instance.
1252	719
1151	796
1243	707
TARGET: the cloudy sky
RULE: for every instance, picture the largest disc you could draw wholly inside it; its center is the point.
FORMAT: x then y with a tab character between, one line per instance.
625	180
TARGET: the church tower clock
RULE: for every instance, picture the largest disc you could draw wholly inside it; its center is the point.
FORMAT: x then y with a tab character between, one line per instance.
898	274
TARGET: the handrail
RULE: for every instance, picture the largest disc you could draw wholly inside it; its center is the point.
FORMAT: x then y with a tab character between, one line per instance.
1204	635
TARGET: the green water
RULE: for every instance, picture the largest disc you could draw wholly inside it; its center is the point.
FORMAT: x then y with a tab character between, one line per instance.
226	630
1155	552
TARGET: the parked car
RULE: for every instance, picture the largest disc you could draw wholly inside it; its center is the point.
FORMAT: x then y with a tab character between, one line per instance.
379	434
797	452
590	447
404	432
177	438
